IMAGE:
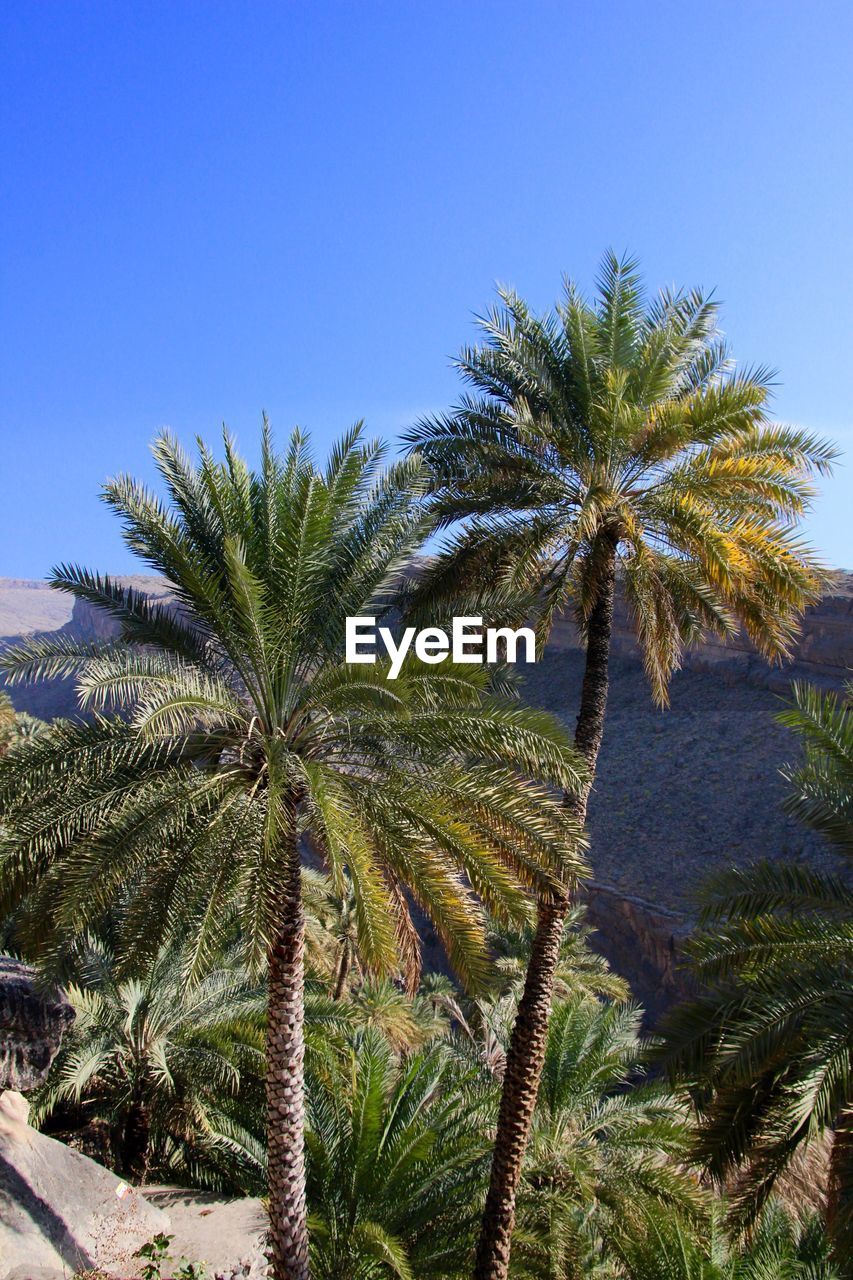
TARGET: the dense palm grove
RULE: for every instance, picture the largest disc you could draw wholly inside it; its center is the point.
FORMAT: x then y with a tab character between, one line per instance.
228	858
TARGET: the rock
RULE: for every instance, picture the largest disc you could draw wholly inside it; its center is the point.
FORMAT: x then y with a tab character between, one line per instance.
14	1108
641	941
32	1023
29	1272
61	1212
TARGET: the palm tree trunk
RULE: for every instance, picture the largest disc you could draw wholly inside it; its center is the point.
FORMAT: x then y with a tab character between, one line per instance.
343	972
526	1053
285	1085
133	1156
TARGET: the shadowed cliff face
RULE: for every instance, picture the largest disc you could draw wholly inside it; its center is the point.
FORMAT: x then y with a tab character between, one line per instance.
32	1023
686	792
823	653
679	793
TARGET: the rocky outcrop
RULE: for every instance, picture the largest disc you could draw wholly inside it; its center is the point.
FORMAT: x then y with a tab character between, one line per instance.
61	1213
32	1023
27	606
823	652
641	941
48	699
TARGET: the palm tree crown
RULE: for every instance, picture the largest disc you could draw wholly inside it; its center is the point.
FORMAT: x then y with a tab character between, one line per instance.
604	1149
174	1071
621	430
396	1167
238	711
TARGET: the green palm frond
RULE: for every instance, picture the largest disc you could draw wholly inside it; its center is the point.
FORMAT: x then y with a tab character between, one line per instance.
396	1170
822	787
621	426
606	1149
182	1064
210	708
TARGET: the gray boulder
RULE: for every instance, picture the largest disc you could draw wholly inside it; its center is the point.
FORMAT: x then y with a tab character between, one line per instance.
32	1023
61	1212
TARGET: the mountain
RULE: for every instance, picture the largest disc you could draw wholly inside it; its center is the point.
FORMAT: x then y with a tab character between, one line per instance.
27	606
679	793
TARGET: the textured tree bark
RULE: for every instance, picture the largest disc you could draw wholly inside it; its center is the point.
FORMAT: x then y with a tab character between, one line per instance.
343	972
285	1086
526	1053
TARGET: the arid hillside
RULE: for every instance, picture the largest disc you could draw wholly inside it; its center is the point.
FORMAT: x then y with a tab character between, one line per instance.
27	606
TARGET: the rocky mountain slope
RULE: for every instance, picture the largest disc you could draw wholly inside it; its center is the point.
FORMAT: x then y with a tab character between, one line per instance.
680	793
27	606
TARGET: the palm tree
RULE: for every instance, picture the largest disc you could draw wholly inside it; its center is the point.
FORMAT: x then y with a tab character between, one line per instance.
605	1147
768	1044
782	1247
227	727
406	1021
331	931
483	1024
175	1071
396	1167
15	726
611	439
579	968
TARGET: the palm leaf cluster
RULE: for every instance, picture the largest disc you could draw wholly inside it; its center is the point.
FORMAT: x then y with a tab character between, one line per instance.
620	429
606	1147
579	967
241	726
396	1166
782	1247
769	1041
172	1072
15	725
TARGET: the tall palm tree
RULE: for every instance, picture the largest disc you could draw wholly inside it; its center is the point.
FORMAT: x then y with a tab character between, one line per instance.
228	726
606	439
768	1043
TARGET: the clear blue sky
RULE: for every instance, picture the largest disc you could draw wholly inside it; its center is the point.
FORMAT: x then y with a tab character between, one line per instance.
210	209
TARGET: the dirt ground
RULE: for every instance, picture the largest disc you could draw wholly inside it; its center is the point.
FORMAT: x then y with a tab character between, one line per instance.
226	1234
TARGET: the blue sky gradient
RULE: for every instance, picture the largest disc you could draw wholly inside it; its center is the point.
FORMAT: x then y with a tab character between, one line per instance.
213	209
